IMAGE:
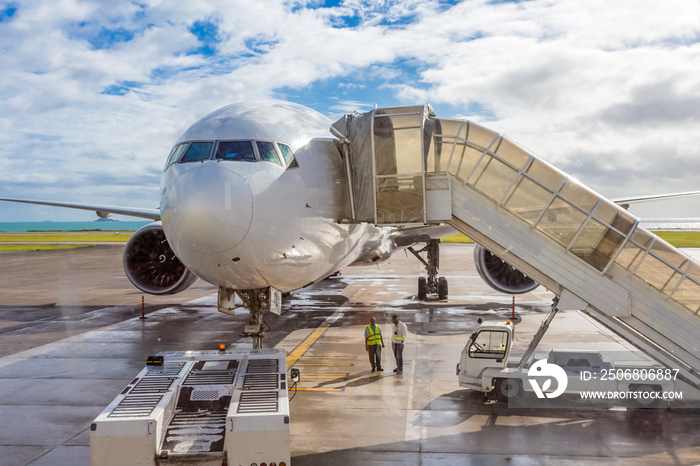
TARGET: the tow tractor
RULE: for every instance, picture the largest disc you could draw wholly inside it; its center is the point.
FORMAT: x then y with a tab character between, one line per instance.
486	365
205	408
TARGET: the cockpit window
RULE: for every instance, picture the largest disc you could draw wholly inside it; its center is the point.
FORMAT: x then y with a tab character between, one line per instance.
175	154
198	151
288	155
235	150
268	152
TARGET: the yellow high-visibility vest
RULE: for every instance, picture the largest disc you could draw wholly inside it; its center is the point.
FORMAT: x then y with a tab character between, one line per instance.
374	337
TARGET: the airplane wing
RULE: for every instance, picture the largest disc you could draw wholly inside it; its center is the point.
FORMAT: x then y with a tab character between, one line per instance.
407	236
102	211
632	200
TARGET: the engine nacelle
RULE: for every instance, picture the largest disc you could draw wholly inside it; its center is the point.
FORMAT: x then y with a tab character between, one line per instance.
500	275
152	266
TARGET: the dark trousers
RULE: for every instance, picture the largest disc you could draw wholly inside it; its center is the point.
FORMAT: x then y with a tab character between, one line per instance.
375	356
398	354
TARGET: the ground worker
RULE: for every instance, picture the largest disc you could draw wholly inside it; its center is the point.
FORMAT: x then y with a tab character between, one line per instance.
397	341
373	338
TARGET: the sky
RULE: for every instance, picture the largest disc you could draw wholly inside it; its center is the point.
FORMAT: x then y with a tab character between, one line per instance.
93	94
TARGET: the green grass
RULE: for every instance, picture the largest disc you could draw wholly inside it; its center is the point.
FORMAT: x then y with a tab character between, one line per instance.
63	237
457	239
41	247
681	239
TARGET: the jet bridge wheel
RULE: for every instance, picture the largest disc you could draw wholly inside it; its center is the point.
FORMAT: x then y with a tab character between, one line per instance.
508	389
648	396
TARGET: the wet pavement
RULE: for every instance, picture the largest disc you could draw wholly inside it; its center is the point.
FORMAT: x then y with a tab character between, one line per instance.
71	339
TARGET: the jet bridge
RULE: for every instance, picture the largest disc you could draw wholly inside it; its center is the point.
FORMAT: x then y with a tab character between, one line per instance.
405	166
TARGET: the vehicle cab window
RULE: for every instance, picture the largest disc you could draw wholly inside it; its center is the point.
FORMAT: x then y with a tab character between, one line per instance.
268	153
489	344
288	155
197	151
235	150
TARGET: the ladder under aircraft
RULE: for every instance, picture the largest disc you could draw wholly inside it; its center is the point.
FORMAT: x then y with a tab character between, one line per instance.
407	167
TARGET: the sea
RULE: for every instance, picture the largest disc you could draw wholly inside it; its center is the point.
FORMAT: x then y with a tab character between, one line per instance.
117	225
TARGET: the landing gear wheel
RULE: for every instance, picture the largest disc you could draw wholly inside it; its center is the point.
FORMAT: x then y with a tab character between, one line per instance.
422	288
508	389
646	397
442	288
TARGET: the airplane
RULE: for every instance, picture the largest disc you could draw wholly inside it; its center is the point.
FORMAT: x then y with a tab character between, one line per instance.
254	200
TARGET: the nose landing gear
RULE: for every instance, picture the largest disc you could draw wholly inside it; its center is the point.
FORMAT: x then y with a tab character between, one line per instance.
257	301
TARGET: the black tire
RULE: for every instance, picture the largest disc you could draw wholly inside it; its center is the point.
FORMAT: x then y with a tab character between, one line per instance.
644	402
508	389
442	288
422	288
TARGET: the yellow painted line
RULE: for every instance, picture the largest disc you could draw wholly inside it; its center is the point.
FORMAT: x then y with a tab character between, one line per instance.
329	357
317	380
357	294
314	389
322	364
326	374
305	345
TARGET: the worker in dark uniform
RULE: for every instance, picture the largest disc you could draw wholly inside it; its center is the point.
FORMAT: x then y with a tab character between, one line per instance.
373	338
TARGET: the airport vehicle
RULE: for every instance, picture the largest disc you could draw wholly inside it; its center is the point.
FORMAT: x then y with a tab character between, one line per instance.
263	198
198	407
486	365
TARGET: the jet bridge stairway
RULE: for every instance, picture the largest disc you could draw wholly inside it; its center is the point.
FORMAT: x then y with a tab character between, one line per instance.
407	167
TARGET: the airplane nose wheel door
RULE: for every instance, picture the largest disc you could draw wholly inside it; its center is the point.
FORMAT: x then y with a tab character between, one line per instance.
432	284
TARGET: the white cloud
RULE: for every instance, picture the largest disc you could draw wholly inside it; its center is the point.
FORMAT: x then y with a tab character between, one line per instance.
601	88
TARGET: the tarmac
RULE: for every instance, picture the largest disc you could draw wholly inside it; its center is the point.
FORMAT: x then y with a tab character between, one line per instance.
71	338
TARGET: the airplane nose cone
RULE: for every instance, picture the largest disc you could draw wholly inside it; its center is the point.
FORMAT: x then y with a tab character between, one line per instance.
208	208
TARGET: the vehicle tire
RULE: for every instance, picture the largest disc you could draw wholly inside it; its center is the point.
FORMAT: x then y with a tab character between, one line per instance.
422	288
646	402
442	288
508	389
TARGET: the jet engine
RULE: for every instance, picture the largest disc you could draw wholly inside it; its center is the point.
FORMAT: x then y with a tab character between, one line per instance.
500	275
152	266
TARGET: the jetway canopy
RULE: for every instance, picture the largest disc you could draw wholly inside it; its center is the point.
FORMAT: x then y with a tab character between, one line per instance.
386	165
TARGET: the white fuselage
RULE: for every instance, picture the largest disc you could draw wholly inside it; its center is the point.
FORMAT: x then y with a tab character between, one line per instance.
252	224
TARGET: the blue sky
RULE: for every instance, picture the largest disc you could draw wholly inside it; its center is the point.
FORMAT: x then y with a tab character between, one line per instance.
94	94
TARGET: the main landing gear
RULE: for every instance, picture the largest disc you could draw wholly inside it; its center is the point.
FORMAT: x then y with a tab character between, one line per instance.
432	285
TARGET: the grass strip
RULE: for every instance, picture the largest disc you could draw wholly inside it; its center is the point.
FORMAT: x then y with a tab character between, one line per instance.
681	239
460	238
41	247
63	237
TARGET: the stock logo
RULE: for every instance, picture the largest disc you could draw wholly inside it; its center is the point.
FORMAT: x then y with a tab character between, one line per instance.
542	369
